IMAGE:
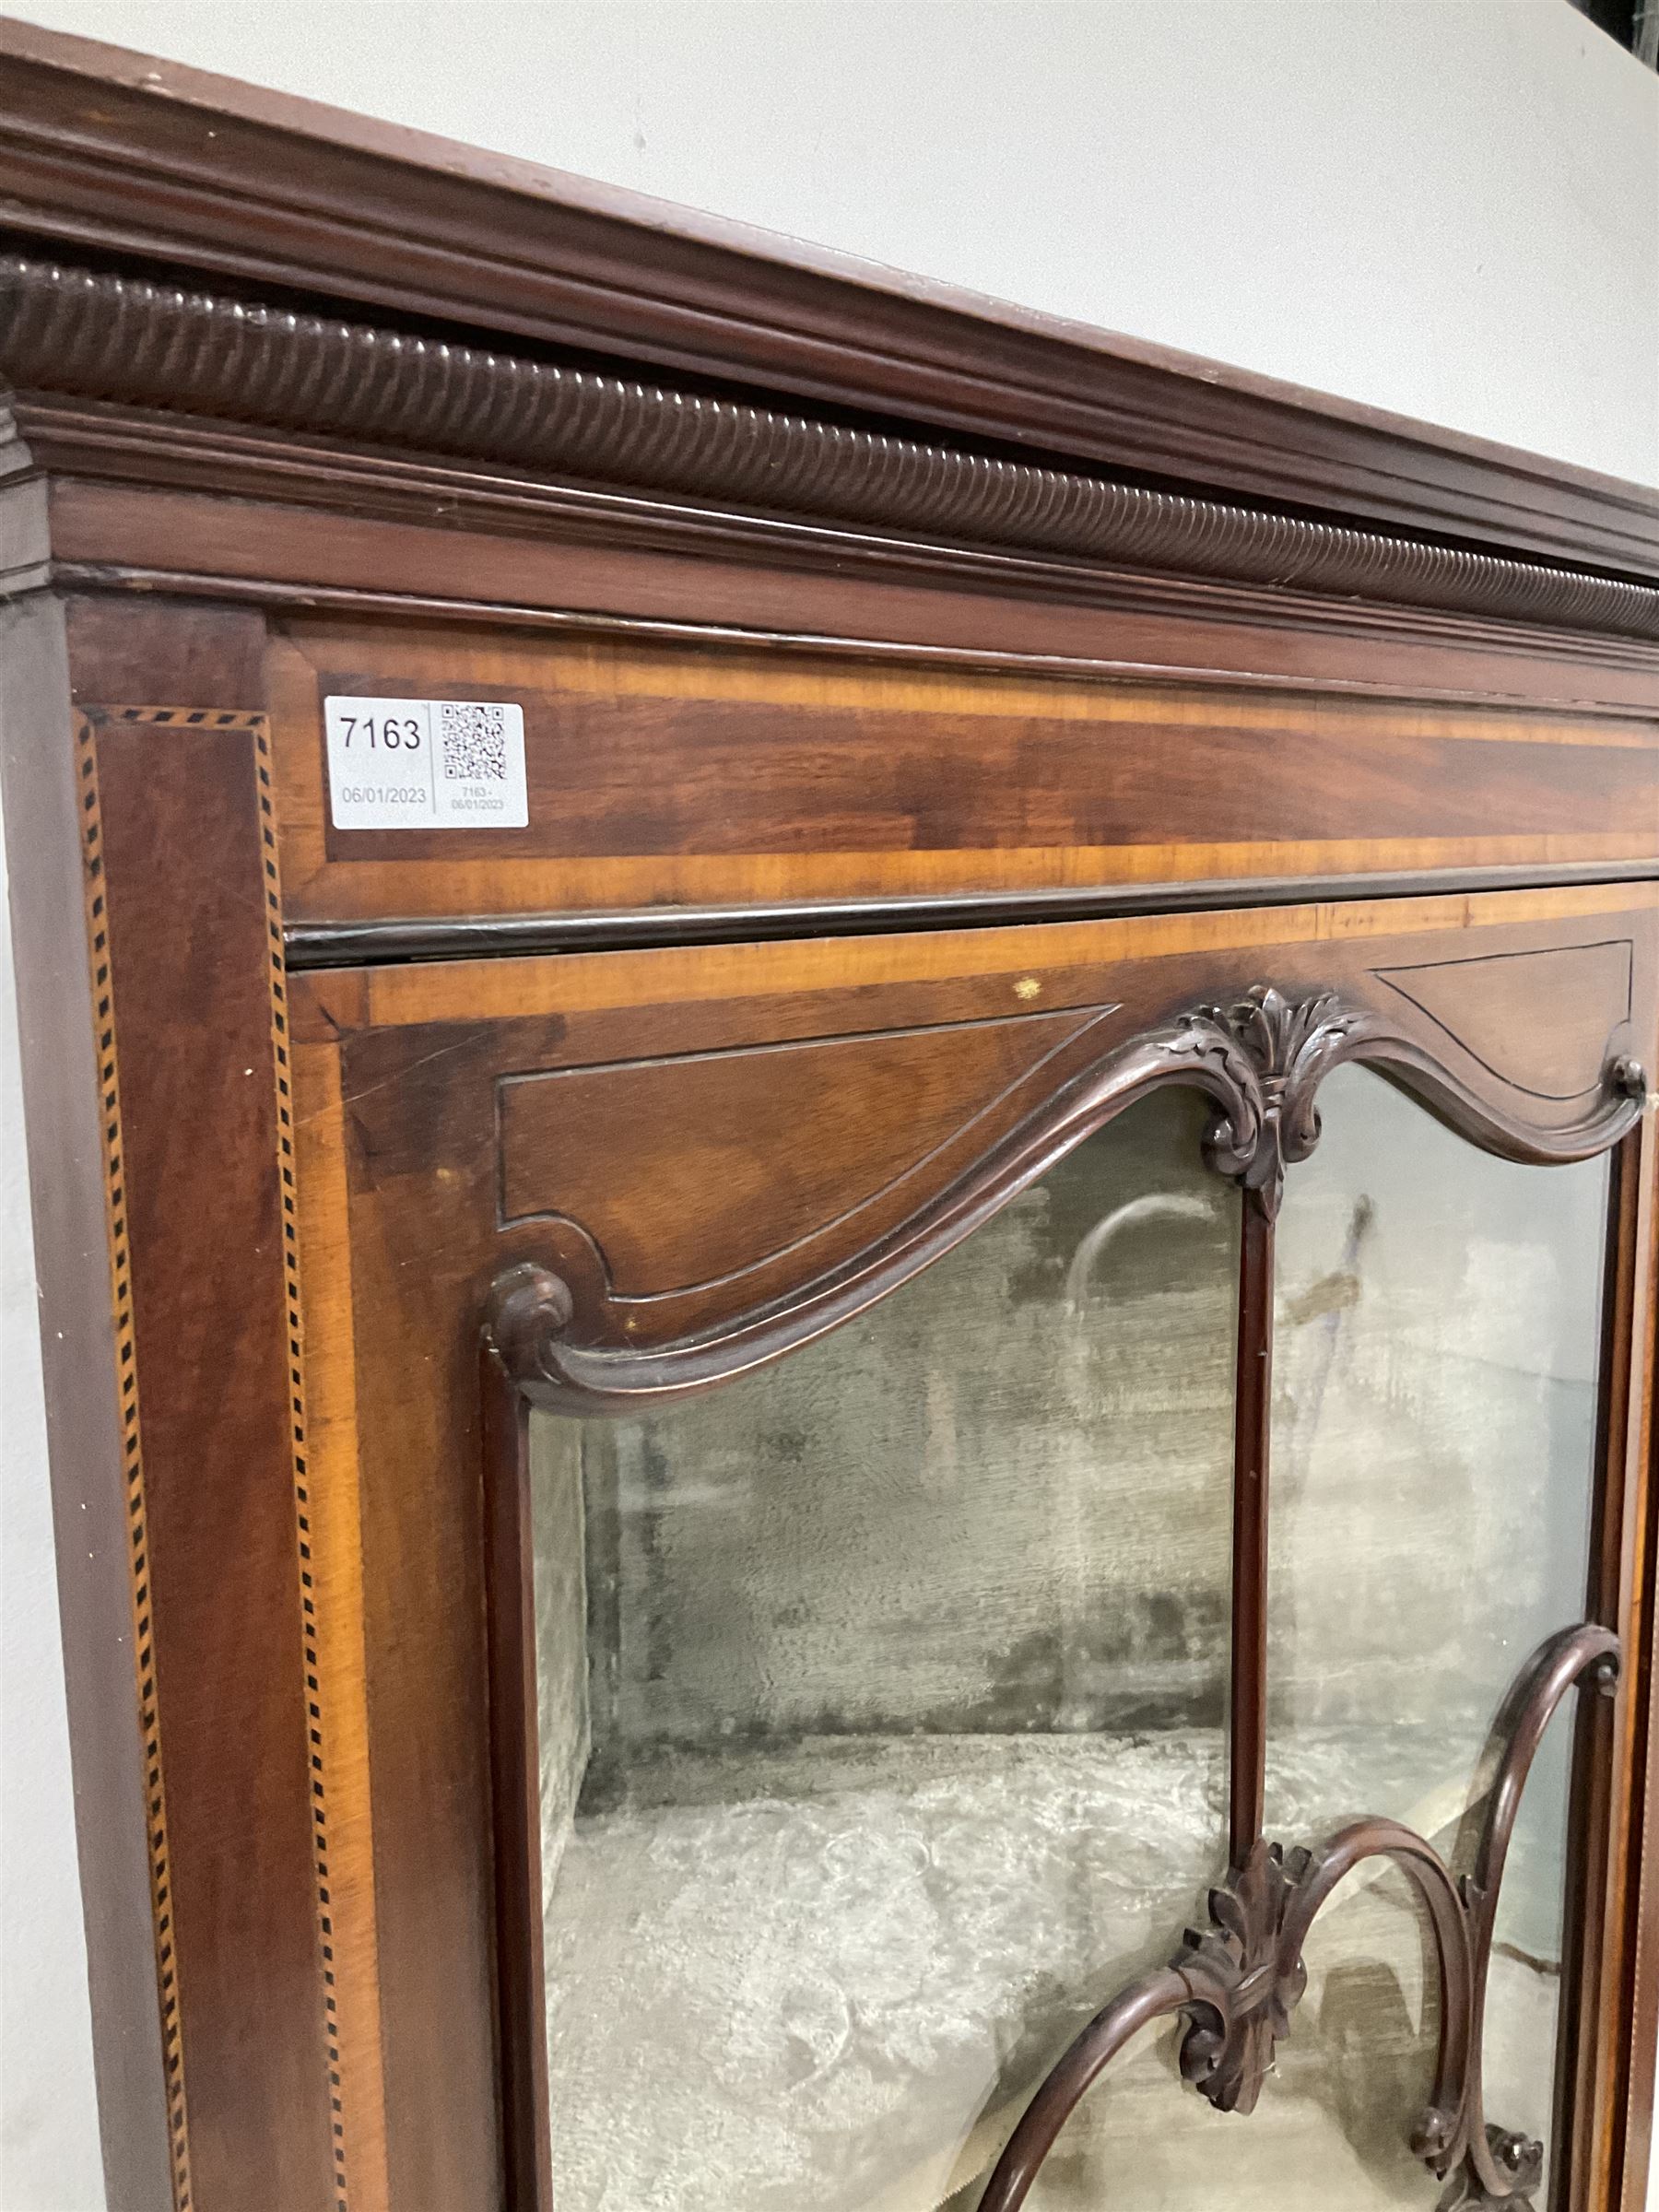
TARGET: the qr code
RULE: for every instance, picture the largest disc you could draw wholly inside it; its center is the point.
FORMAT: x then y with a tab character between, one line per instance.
472	743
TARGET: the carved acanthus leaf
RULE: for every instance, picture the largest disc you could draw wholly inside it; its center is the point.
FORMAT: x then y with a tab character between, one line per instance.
1238	1954
1286	1047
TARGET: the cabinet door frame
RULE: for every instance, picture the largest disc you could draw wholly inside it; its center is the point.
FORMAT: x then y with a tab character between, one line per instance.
418	1106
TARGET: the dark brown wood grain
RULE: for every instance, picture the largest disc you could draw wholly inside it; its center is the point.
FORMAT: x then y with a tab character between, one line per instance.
79	1344
1630	2107
1575	996
273	518
707	1210
510	937
175	652
939	720
671	773
190	953
628	769
1597	1937
1253	1429
417	1306
111	149
1629	1998
705	1135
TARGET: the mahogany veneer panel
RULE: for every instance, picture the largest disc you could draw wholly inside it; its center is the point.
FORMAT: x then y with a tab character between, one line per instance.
221	1490
714	1138
720	775
183	994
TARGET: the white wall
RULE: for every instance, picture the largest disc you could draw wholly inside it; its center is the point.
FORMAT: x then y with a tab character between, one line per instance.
1444	206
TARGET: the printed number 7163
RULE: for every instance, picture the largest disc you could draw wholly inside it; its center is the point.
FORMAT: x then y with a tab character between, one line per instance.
393	732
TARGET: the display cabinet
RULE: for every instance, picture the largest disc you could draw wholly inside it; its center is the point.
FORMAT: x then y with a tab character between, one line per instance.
842	1121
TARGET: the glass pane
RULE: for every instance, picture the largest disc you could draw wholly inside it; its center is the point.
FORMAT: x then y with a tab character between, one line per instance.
1434	1420
882	1700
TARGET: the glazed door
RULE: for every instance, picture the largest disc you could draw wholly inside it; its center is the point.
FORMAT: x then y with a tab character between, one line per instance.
1041	1493
884	1703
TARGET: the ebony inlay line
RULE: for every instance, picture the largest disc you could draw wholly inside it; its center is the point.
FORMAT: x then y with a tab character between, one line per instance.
350	944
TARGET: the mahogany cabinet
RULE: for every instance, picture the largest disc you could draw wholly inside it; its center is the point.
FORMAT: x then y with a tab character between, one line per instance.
842	1121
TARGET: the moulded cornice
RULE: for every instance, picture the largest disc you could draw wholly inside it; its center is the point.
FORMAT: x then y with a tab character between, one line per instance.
180	170
106	337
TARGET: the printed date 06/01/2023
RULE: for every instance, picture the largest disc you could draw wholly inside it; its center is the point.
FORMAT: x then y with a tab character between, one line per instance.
383	794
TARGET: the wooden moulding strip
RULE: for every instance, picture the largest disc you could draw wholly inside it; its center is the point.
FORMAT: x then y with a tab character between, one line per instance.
1629	2037
339	1682
417	992
110	151
587	894
321	1380
495	936
111	336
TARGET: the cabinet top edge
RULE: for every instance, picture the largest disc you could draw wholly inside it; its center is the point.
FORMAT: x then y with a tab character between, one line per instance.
179	170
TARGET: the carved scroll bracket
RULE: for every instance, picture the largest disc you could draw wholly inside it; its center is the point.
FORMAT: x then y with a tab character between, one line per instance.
1261	1062
1238	1980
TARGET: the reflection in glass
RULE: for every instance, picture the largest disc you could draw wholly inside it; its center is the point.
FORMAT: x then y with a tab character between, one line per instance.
882	1703
1434	1418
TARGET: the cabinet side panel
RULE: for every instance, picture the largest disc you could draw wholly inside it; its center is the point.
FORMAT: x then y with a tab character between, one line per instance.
72	1265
